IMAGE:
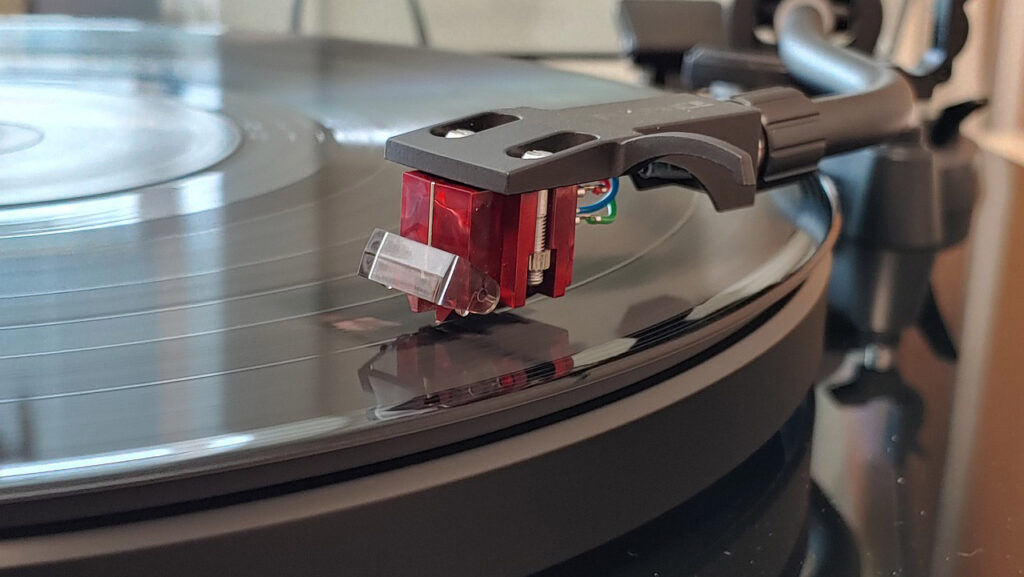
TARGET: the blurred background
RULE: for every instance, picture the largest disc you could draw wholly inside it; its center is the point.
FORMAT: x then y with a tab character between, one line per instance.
979	530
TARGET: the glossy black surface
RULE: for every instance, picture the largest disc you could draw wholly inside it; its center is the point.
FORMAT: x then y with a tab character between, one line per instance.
880	447
214	321
514	503
755	519
766	517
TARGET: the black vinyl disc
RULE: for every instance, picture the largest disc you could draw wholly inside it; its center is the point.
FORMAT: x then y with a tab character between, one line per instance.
181	326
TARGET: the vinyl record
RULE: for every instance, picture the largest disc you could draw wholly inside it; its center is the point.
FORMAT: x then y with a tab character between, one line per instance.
181	217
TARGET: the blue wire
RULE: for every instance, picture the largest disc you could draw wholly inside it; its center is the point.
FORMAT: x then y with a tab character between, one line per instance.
604	200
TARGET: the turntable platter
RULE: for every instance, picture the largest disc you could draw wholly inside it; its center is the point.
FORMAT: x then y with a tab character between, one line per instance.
178	301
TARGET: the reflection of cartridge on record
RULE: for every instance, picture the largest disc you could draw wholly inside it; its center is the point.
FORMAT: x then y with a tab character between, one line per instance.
457	363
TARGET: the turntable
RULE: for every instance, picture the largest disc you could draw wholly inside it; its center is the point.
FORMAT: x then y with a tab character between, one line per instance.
194	379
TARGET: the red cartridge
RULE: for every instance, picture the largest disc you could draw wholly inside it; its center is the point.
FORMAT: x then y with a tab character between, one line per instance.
497	233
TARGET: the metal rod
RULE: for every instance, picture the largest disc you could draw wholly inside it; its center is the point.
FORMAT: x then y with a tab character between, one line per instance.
540	239
870	102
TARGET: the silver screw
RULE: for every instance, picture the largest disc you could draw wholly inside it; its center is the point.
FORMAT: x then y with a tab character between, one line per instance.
540	240
535	154
540	260
459	133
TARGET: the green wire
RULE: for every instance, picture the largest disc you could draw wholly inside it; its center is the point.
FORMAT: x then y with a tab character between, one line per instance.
609	218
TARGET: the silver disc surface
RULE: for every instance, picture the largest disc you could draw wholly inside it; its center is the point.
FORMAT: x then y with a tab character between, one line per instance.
62	144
